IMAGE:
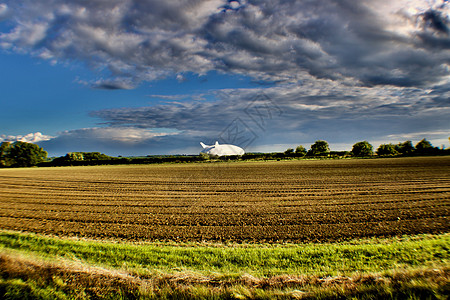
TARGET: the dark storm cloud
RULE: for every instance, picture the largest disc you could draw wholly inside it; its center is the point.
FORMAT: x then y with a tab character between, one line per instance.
435	20
367	42
192	115
113	85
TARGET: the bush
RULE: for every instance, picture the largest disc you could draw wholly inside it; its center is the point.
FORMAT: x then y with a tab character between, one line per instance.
387	150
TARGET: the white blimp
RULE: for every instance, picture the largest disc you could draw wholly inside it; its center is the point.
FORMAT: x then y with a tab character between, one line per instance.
221	150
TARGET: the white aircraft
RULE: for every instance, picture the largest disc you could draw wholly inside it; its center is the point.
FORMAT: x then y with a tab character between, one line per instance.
221	150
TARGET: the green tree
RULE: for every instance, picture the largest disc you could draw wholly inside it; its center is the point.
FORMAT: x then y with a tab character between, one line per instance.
387	150
362	149
424	147
289	151
75	156
5	160
26	154
204	156
405	148
300	151
95	156
319	148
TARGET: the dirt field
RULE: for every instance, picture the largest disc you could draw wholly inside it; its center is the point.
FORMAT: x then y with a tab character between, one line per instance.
296	201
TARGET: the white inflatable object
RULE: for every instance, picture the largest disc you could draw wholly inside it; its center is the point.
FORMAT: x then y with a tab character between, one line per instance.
221	150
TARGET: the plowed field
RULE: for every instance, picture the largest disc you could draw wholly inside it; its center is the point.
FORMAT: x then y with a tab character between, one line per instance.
325	200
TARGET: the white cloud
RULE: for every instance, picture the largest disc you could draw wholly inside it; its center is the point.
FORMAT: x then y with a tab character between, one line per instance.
4	11
124	135
438	137
28	138
111	140
181	78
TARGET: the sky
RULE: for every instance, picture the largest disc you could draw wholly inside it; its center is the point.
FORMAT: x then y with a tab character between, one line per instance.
145	77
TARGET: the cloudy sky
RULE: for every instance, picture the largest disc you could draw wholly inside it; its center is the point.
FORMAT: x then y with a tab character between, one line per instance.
138	77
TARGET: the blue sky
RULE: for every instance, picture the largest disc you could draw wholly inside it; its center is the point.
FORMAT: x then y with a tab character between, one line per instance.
131	77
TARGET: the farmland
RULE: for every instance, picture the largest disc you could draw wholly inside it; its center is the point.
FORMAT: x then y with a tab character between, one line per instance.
310	229
286	201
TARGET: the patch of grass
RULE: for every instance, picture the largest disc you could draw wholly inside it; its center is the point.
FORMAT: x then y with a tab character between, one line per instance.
328	259
16	288
40	267
26	277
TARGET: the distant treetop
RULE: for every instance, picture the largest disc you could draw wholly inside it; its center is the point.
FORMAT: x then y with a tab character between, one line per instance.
362	149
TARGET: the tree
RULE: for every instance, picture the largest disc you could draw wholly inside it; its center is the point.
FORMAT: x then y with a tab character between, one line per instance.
362	149
300	151
90	156
387	150
424	147
75	156
405	148
319	148
26	154
95	156
288	152
204	156
5	160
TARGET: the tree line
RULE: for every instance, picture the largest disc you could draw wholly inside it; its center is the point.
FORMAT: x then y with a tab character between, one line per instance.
22	154
365	149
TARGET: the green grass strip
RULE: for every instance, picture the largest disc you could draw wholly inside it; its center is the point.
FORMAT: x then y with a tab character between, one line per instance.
327	259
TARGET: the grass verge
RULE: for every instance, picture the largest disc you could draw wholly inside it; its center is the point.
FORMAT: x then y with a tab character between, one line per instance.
54	268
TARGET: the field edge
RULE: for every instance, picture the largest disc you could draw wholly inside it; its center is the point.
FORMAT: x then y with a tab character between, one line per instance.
56	276
22	276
